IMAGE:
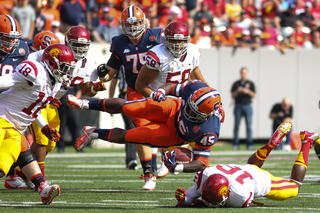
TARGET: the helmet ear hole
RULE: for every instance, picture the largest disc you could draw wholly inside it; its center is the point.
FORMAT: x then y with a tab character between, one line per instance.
50	62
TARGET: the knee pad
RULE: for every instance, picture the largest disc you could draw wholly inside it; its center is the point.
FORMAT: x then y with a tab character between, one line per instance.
25	158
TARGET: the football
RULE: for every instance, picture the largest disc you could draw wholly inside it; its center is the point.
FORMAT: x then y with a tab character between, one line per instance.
183	155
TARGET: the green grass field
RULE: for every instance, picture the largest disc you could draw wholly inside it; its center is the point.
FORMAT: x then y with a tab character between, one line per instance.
96	181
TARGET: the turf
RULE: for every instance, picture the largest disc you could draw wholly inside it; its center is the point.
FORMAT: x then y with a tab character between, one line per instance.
97	181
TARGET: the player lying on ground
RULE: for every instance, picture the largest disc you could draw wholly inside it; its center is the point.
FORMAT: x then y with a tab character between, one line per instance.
237	185
172	122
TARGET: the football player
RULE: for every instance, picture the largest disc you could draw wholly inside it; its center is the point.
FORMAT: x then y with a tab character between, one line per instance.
172	122
175	61
237	185
12	49
129	50
85	73
31	88
12	52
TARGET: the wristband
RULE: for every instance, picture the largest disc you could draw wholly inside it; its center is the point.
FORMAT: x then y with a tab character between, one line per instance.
179	168
93	91
41	121
102	79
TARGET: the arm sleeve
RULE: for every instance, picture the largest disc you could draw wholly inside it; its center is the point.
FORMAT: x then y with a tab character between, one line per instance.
195	191
192	195
37	56
6	82
13	80
41	121
152	60
114	62
176	89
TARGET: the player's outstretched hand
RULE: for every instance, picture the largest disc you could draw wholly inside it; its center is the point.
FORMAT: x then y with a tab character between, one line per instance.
180	196
159	95
51	133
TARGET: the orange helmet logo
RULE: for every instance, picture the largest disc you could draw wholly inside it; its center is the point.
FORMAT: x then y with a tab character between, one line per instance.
54	52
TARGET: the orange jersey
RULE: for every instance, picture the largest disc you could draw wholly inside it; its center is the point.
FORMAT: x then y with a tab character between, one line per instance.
160	131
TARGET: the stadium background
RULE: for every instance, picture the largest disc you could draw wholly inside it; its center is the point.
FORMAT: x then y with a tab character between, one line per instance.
294	75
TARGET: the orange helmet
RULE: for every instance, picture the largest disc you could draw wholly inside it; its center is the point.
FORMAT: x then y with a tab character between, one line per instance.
202	104
43	40
129	19
9	34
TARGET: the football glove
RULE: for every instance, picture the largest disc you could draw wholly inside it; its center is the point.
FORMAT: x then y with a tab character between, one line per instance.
56	102
99	86
180	196
103	70
159	95
51	133
170	162
222	114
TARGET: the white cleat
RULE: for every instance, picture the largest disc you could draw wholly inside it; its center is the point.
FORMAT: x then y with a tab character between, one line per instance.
149	182
48	193
163	170
76	103
14	182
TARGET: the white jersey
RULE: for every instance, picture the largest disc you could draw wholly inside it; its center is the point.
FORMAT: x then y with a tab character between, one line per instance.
36	55
31	91
246	183
171	69
85	71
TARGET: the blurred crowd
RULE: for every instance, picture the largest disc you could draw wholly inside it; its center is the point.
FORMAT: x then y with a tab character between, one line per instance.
274	24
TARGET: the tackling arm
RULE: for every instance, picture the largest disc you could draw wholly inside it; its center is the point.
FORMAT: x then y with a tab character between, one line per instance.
196	74
6	82
145	77
14	80
194	166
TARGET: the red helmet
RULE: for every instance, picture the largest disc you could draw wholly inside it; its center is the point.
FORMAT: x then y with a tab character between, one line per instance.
176	31
215	190
129	19
58	59
9	34
202	104
43	40
78	40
